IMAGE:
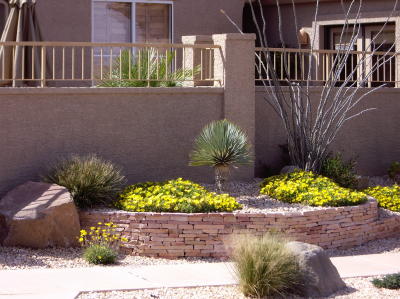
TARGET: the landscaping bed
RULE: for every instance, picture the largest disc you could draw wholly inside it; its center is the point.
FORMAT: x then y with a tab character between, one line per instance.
174	235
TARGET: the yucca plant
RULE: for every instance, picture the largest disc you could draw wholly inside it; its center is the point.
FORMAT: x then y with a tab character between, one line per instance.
90	180
221	145
147	68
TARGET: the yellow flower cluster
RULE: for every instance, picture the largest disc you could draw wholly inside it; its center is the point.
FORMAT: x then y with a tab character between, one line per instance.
387	197
174	196
310	189
104	234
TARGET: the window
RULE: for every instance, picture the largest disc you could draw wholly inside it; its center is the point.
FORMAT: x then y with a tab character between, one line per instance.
126	21
367	40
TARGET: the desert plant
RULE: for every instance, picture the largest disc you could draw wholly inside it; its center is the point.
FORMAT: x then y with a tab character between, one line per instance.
391	281
174	196
387	197
90	180
100	254
148	67
265	266
221	144
340	171
101	243
311	127
310	189
394	171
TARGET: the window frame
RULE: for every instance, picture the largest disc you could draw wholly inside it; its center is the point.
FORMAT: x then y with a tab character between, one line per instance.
133	15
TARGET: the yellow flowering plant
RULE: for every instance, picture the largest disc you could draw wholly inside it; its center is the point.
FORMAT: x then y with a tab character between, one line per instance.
310	189
174	196
104	235
387	197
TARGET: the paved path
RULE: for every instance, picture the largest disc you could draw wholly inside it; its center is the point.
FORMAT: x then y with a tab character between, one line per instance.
67	283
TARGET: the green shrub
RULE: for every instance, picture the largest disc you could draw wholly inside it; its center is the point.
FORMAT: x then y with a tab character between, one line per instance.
340	171
391	281
174	196
100	254
310	189
149	67
265	267
387	197
394	170
90	180
221	144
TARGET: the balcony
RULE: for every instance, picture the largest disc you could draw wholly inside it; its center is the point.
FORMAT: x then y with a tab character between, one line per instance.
321	67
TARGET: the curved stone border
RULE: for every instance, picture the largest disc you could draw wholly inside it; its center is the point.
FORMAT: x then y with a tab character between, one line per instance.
174	235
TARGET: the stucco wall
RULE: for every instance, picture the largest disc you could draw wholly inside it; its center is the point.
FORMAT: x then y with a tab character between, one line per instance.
70	20
373	138
149	132
328	11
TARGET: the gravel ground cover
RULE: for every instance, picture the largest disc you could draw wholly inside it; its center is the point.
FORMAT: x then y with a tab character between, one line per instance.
356	288
12	258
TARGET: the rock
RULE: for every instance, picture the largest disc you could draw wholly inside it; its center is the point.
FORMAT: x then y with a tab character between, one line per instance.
38	215
321	277
289	169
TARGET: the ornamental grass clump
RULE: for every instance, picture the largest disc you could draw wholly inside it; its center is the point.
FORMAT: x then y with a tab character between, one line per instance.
266	268
149	67
91	180
221	145
387	197
174	196
310	189
101	243
391	281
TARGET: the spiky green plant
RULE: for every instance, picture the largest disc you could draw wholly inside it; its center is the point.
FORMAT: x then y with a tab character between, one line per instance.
90	180
147	67
265	267
221	144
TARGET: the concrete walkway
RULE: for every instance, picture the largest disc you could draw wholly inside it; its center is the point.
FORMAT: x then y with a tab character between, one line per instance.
67	283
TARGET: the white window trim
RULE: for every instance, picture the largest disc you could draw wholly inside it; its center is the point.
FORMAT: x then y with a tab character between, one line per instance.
133	15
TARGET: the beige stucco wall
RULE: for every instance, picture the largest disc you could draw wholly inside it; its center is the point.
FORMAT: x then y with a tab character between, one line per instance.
149	132
373	138
70	20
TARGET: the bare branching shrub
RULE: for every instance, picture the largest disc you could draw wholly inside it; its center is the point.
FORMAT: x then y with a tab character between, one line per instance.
312	126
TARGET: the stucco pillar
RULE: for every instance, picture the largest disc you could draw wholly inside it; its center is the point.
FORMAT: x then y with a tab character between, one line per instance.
198	58
234	67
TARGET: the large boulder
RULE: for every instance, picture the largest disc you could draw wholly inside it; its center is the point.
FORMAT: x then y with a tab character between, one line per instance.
38	215
321	277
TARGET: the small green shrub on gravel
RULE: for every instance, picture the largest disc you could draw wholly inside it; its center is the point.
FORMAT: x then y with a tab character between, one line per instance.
90	180
340	171
391	281
387	197
174	196
310	189
265	267
100	255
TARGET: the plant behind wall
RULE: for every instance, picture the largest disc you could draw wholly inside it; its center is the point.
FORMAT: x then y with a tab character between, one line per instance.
149	67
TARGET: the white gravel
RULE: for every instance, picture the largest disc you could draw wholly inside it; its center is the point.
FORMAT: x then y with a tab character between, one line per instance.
357	288
12	258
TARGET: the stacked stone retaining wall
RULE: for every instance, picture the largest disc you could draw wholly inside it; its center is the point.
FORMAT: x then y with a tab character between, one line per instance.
174	235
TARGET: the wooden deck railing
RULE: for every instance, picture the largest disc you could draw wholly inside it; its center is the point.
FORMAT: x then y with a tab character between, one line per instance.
369	69
106	64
